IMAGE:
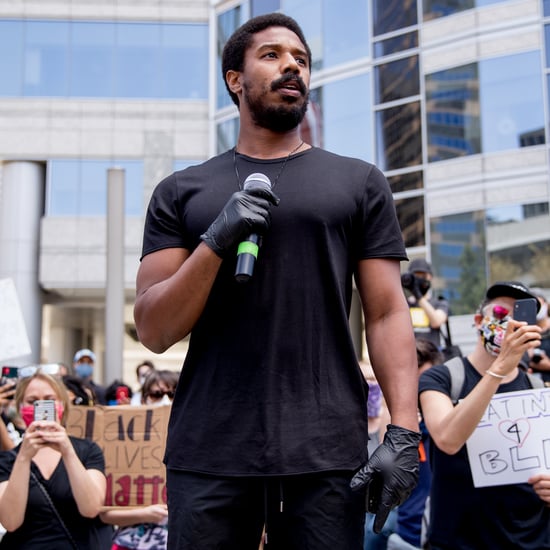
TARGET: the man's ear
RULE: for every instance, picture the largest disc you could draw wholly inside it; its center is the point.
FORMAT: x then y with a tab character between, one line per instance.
233	79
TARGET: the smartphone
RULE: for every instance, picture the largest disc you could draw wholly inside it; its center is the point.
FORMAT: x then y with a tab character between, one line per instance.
121	394
526	310
9	374
44	409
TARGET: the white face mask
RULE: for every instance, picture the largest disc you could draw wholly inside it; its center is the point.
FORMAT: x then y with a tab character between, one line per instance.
164	401
141	379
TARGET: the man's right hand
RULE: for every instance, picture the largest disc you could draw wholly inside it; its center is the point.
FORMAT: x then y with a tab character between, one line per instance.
246	212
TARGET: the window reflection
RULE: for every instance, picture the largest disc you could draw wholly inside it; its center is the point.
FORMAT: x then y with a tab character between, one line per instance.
458	257
79	187
347	117
399	141
391	15
493	106
103	59
408	181
512	106
396	44
518	243
397	80
443	8
410	212
452	113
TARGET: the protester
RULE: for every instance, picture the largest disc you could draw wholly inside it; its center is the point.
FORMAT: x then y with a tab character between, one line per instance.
461	515
83	365
142	370
270	405
428	313
79	392
118	393
52	486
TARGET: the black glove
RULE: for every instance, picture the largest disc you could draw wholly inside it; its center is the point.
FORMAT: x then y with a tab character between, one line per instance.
246	212
391	473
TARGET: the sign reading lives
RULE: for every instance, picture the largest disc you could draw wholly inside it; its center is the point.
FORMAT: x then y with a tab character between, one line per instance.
133	441
512	441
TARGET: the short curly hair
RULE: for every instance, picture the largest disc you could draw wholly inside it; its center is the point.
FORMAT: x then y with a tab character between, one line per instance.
235	48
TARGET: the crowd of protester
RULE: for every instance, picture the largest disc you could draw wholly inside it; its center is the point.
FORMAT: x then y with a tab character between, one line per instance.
35	450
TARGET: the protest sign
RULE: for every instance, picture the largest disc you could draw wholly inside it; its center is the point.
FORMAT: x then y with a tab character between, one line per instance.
512	440
133	441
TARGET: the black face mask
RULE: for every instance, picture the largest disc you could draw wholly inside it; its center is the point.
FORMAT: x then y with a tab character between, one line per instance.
423	284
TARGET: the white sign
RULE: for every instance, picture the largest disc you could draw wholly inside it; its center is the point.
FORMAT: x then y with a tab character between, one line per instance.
14	341
512	440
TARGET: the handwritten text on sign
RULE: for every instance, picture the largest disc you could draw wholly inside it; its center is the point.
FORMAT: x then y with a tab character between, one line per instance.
512	440
133	441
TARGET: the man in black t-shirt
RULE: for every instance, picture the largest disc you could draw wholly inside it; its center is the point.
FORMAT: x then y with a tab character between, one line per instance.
269	422
461	515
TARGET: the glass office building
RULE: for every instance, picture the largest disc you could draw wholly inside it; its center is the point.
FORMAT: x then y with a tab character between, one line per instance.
448	98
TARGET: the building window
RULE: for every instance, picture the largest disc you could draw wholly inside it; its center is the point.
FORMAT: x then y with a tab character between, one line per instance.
103	59
410	212
442	8
79	187
397	79
392	15
398	134
480	108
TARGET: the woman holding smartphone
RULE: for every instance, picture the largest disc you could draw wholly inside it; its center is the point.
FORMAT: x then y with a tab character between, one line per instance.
52	486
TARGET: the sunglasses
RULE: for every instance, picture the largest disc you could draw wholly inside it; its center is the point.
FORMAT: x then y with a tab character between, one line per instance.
500	312
161	394
45	368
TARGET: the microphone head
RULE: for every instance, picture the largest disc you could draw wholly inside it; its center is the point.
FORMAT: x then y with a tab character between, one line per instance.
257	181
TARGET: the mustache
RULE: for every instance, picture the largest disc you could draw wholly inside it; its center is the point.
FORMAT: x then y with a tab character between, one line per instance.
280	82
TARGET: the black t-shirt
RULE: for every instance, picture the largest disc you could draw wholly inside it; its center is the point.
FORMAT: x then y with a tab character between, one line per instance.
271	383
465	517
41	529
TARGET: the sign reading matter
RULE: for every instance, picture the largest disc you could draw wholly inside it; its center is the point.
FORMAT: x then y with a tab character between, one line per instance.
133	441
512	440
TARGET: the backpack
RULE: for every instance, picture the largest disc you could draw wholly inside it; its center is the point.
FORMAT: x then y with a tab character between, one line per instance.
456	370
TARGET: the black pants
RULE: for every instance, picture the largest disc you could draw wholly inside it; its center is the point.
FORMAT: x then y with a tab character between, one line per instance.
306	512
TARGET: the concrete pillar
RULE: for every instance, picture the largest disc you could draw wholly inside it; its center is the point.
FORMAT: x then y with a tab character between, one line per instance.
114	293
21	208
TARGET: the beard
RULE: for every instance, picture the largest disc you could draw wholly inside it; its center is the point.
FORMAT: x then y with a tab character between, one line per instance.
279	118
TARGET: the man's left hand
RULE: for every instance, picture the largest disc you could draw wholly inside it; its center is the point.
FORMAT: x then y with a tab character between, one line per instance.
391	473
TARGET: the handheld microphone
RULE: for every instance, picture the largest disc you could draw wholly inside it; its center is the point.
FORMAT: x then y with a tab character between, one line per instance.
247	252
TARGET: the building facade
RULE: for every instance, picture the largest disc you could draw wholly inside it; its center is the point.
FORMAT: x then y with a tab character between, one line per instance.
448	98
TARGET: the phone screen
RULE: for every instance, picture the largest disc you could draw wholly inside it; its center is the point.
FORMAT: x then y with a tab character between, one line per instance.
526	310
44	409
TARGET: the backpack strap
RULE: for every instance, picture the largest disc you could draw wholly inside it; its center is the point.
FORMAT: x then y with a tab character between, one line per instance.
456	370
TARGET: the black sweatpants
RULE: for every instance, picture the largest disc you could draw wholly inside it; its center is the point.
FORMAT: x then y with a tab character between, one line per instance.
305	512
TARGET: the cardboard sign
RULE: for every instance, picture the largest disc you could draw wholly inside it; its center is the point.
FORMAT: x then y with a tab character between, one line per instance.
512	440
132	440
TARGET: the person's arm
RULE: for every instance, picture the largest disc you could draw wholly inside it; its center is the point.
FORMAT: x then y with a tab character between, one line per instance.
450	426
391	473
122	517
173	285
436	317
88	486
390	338
6	442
